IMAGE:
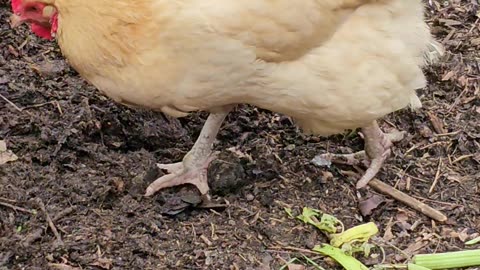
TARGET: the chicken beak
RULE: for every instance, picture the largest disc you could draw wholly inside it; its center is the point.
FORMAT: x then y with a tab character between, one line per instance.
16	20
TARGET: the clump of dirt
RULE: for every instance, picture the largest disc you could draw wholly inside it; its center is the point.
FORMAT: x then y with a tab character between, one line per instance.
85	161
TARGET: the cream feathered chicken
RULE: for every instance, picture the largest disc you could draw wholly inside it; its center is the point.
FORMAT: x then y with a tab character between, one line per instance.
332	65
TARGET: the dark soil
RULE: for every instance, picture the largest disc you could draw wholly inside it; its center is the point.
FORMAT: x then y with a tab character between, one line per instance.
88	160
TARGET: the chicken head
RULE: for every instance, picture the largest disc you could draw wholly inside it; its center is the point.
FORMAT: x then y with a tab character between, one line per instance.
42	17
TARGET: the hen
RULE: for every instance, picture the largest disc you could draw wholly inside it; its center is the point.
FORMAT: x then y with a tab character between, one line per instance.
331	65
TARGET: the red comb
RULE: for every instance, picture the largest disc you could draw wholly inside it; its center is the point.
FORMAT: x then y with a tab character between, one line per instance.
16	5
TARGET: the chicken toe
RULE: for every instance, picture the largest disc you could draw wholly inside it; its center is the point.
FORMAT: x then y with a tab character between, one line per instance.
377	150
180	173
193	168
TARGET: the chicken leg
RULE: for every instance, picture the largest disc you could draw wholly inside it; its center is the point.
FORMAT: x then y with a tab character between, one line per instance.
193	168
377	150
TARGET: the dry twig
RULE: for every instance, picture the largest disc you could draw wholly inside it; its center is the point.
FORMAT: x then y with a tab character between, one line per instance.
11	103
437	176
408	200
49	221
17	208
38	233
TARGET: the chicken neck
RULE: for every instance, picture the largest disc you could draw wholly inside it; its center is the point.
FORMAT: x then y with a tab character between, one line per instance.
194	166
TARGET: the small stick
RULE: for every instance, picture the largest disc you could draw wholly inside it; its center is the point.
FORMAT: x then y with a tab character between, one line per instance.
437	176
38	233
17	208
462	158
8	200
11	103
54	103
408	200
49	221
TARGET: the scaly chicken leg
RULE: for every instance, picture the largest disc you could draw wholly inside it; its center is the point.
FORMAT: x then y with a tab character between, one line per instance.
377	150
193	168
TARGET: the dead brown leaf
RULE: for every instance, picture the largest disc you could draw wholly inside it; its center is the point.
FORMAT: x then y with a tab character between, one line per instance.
448	75
388	235
119	184
402	218
367	206
62	266
436	123
49	68
5	154
296	267
462	236
103	263
412	248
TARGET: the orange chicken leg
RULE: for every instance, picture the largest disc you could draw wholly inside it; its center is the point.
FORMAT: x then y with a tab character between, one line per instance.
377	150
193	168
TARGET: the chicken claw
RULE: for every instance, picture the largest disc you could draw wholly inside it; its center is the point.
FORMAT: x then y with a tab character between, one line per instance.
193	169
377	150
179	174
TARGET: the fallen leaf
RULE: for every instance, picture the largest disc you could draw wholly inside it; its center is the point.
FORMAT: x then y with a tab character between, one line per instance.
367	206
49	68
360	233
463	235
296	267
348	262
239	153
6	155
448	75
119	184
61	266
414	247
326	175
402	218
388	235
103	263
436	123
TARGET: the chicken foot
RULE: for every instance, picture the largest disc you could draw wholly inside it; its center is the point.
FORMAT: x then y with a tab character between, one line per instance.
377	150
194	166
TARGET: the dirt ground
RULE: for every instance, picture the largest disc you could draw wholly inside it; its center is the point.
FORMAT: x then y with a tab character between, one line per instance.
85	161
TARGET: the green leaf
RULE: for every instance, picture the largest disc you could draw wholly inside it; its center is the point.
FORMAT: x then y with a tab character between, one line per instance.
348	262
412	266
473	241
289	212
360	233
327	223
